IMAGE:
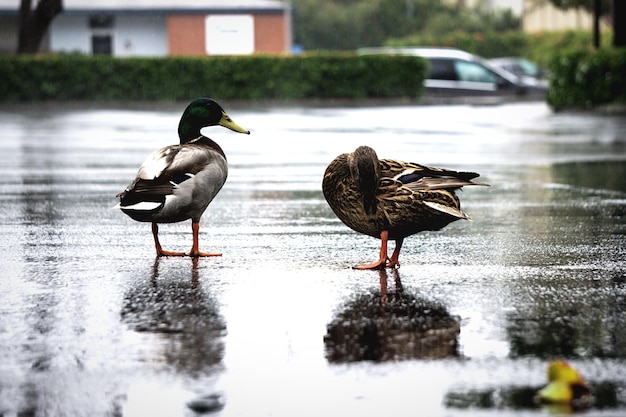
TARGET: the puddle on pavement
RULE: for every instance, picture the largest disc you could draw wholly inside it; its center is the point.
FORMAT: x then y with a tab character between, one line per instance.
605	396
176	306
395	325
280	324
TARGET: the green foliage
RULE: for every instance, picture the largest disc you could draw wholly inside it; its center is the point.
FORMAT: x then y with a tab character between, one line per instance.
487	45
76	77
351	24
605	5
538	47
581	78
541	47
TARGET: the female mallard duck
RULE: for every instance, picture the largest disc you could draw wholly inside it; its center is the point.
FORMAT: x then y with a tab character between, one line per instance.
390	199
177	182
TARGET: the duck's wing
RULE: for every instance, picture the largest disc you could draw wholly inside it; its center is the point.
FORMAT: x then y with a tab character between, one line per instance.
418	177
162	173
150	178
174	184
407	184
157	162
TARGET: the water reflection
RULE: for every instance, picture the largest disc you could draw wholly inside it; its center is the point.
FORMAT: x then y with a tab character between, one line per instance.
391	325
38	218
172	304
592	175
574	306
562	323
605	396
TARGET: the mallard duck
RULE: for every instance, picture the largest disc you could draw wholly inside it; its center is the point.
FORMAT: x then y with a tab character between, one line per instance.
177	182
565	387
390	199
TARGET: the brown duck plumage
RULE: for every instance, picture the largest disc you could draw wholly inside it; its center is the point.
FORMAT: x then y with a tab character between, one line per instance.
390	199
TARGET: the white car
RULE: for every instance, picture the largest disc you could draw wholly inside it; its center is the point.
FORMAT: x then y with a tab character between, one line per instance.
453	73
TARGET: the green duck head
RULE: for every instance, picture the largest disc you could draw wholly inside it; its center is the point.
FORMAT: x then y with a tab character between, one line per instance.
204	112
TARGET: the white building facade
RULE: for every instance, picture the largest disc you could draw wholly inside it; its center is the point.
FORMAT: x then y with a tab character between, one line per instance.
160	27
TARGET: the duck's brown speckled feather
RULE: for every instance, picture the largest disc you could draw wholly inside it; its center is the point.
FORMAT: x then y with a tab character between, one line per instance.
423	200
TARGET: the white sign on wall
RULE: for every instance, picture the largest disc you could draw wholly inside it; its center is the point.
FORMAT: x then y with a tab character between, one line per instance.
229	34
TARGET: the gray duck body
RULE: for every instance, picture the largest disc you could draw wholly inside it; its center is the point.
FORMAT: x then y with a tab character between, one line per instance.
179	181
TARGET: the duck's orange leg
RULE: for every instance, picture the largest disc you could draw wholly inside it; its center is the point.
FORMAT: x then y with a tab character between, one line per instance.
382	258
394	261
157	245
195	228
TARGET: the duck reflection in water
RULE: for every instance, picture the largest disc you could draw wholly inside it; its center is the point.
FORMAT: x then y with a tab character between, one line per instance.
186	319
388	325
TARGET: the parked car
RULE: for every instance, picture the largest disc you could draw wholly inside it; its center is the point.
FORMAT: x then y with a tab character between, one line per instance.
524	69
519	66
456	75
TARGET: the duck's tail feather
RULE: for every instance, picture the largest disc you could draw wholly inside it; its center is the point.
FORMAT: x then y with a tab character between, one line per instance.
427	178
448	210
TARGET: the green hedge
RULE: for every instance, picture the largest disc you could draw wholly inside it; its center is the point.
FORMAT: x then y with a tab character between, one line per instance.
580	78
76	77
538	47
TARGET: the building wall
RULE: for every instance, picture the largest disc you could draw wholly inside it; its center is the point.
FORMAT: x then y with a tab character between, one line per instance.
140	36
187	34
541	15
69	33
271	33
131	35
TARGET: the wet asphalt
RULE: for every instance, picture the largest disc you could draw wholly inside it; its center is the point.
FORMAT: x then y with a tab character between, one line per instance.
92	324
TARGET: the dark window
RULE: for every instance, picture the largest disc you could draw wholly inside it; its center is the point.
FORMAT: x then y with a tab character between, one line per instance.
441	69
102	44
101	21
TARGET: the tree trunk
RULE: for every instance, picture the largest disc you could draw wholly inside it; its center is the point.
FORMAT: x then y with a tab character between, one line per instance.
619	23
34	23
597	11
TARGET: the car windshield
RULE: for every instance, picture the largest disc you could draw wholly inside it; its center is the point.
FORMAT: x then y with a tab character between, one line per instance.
529	68
470	71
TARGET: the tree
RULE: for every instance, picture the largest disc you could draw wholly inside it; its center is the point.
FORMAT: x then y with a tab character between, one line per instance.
34	23
619	23
614	8
350	24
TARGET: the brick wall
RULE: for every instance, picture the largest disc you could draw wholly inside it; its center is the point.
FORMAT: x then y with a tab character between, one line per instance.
186	34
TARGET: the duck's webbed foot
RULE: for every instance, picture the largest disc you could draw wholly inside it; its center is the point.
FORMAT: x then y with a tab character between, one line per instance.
195	252
394	261
381	263
393	264
161	252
